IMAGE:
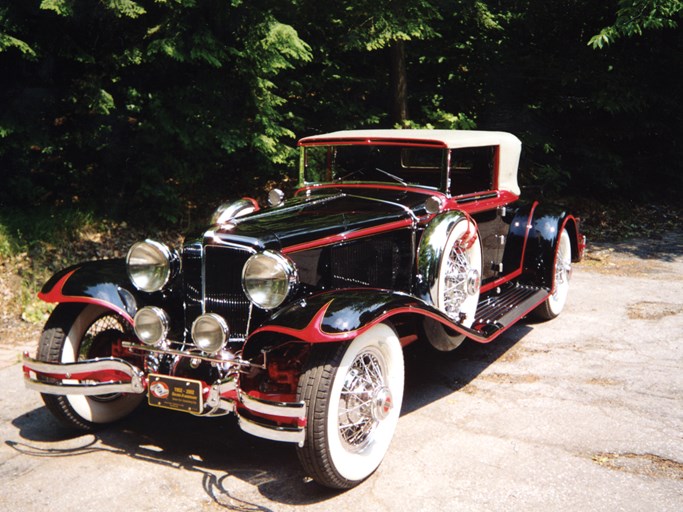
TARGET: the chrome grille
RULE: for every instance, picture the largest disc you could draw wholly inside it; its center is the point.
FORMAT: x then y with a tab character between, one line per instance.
223	292
212	277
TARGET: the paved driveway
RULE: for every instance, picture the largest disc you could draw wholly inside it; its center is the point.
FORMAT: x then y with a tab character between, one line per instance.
581	413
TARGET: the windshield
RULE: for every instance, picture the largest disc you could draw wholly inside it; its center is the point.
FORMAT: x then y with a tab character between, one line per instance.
374	163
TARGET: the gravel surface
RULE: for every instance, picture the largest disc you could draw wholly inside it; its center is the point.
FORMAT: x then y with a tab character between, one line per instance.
581	413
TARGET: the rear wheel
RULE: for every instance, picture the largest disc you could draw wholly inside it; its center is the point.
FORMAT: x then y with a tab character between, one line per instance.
353	392
75	332
554	304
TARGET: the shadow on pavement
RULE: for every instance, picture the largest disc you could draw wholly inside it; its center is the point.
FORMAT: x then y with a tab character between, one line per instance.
217	448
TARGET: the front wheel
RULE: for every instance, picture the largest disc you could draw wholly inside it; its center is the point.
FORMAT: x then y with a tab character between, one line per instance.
75	332
353	392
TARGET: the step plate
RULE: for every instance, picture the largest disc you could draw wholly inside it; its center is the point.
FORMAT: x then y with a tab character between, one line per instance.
500	308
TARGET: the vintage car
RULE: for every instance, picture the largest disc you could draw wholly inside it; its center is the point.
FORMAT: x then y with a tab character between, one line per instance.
294	315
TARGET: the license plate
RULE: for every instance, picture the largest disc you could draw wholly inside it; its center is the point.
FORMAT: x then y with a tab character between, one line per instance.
175	393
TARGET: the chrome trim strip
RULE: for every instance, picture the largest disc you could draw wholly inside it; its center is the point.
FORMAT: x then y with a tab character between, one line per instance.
285	409
33	367
203	266
87	389
190	355
274	433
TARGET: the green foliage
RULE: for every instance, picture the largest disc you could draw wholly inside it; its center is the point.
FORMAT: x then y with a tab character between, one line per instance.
149	108
636	16
36	244
156	110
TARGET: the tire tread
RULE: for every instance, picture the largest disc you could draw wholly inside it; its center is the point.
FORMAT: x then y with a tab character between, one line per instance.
318	375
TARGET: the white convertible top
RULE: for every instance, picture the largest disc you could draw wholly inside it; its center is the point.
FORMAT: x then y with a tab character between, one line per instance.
510	146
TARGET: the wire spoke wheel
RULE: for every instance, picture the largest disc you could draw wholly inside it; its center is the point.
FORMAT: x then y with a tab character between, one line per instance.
365	400
75	332
457	290
555	303
353	392
460	274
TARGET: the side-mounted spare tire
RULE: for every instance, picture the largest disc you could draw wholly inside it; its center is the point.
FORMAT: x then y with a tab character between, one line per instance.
457	285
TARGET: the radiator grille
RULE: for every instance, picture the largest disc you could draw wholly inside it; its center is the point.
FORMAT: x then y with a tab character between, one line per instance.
213	284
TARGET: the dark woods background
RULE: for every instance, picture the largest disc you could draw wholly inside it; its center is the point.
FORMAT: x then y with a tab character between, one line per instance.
156	111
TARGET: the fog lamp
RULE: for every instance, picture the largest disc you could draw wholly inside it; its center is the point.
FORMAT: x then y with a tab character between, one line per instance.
210	332
151	325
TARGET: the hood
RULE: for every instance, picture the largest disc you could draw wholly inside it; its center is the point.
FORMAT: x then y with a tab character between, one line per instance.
316	216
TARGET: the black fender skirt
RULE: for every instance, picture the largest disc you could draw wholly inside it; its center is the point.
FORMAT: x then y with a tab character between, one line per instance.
539	257
104	283
342	315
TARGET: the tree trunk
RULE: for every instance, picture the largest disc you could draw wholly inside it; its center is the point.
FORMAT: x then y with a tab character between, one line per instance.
399	83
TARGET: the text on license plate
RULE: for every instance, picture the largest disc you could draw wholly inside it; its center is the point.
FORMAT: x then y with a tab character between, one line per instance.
174	393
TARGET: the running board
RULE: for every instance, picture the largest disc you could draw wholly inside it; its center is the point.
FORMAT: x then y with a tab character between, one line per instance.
501	307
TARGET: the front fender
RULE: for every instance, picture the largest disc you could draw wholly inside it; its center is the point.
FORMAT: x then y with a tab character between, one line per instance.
104	283
341	315
337	315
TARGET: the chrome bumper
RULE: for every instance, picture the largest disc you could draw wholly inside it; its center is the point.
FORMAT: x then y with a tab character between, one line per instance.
112	375
288	434
91	377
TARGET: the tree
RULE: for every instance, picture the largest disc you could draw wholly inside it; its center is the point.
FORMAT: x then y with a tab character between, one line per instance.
636	16
117	105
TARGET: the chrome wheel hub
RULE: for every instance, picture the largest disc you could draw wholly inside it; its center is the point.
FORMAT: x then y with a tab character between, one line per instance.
382	404
365	400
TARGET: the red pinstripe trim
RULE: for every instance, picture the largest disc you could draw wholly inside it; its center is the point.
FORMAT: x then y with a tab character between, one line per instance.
503	198
57	295
349	235
377	186
313	332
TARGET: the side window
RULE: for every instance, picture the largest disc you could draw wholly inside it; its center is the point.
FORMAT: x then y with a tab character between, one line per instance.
472	170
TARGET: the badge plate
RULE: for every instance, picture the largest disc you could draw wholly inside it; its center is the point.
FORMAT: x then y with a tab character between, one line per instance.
175	393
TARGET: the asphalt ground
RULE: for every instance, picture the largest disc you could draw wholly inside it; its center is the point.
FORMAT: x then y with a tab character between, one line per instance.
581	413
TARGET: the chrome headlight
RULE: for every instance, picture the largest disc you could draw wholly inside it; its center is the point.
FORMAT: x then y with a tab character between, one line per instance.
151	325
151	265
268	278
210	332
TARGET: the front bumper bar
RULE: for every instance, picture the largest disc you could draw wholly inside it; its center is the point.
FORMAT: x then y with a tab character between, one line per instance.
113	375
99	376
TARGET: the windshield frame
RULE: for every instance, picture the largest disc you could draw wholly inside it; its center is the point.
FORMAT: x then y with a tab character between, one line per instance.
439	173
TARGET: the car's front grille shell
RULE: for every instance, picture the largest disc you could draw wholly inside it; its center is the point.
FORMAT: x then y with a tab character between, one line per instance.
213	284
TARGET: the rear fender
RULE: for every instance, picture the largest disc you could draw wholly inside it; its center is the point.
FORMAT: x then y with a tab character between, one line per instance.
104	283
539	258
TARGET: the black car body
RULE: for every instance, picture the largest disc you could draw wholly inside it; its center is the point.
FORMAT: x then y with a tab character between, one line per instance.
293	316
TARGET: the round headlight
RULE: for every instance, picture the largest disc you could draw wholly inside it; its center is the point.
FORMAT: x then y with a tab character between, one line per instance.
268	278
210	332
151	325
150	265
